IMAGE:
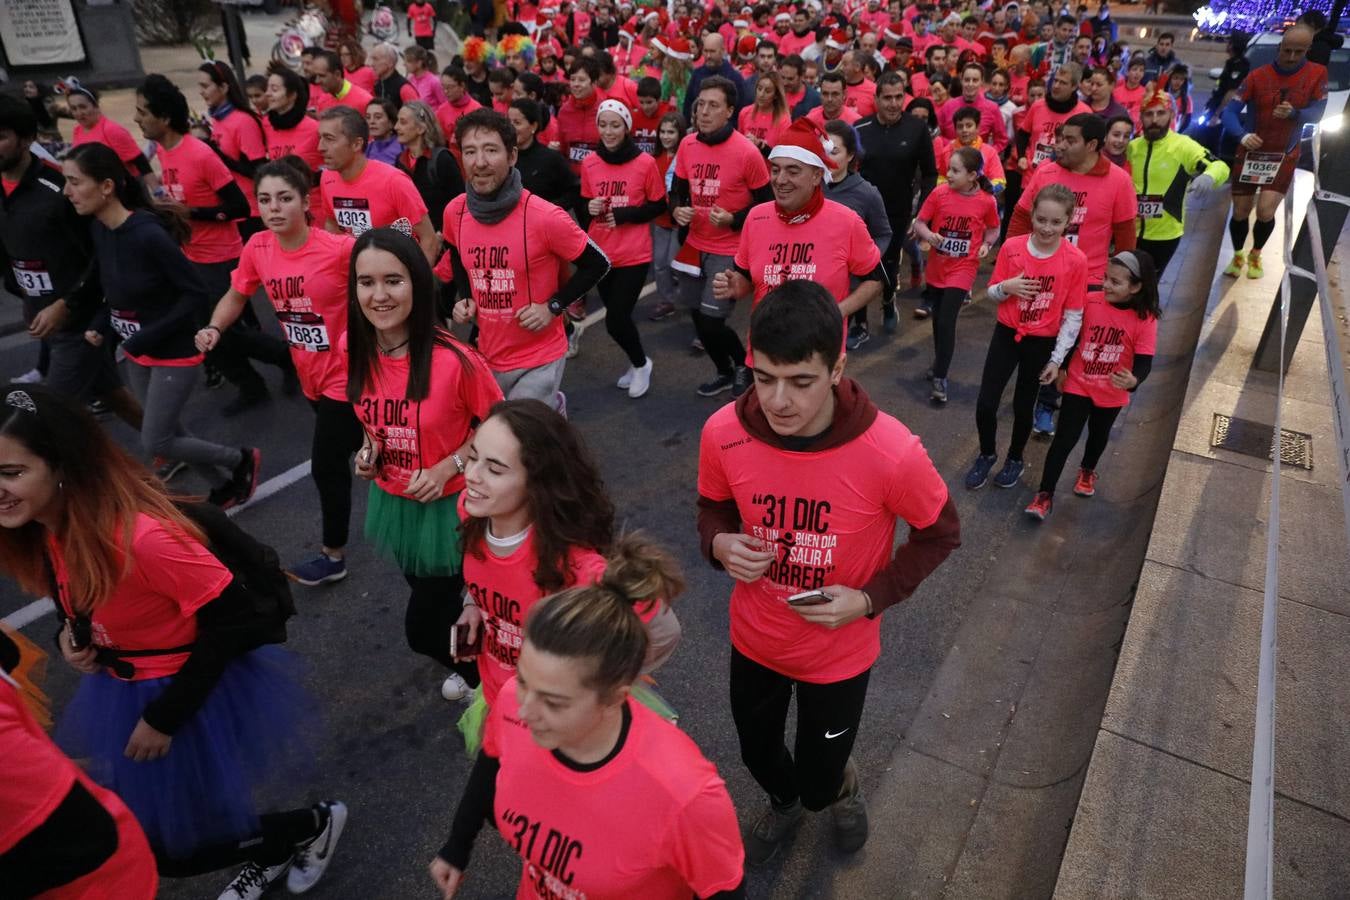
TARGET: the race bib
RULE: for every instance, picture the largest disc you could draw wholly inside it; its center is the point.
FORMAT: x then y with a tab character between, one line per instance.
1150	207
124	323
1261	168
352	215
305	331
1041	153
577	152
32	276
954	243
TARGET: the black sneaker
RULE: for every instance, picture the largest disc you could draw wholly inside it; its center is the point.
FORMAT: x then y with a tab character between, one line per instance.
244	480
245	400
939	394
1010	474
718	385
771	830
225	496
741	381
978	476
889	320
857	336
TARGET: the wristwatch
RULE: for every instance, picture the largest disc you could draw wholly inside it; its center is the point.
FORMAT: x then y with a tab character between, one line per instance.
555	306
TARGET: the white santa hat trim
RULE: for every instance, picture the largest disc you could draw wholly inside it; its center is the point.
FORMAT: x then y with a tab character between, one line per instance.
619	109
801	155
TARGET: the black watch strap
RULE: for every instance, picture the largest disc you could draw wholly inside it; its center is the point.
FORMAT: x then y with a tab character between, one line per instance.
555	307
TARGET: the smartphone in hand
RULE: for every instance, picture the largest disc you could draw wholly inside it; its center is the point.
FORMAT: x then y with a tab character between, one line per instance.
460	648
809	598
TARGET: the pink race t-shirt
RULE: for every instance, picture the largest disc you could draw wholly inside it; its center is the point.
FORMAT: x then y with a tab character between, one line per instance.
301	141
1040	123
831	517
153	606
418	434
191	174
504	590
380	195
763	125
827	248
1104	197
111	134
240	135
448	113
520	260
723	175
1063	277
308	290
846	115
1112	336
959	220
634	183
861	97
654	822
423	17
350	95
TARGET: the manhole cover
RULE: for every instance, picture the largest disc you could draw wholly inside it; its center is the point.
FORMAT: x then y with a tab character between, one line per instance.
1258	439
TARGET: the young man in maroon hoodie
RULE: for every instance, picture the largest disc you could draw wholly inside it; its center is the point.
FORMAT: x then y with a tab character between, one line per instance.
800	484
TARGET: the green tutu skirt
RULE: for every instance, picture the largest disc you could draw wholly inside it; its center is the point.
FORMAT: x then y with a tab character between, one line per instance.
422	538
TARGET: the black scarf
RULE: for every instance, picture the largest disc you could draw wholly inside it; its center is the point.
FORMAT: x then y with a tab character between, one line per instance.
1061	106
287	120
492	208
718	136
625	152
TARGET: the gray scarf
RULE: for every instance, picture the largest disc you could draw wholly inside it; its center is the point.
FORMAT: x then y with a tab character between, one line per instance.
493	208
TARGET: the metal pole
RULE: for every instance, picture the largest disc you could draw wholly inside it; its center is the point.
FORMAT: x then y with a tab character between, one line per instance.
234	39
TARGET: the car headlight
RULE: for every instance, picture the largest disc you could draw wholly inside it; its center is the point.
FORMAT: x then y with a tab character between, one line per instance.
1333	123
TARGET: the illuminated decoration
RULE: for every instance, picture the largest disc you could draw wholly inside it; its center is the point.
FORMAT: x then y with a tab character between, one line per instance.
1223	17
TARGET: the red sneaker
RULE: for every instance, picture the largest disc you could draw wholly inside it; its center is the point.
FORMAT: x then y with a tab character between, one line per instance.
1086	485
1040	505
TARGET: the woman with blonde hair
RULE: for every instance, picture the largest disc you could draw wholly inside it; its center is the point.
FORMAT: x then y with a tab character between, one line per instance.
426	160
765	119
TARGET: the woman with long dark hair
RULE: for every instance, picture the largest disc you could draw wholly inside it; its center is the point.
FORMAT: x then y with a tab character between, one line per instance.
153	298
93	127
304	272
176	713
420	395
289	130
237	133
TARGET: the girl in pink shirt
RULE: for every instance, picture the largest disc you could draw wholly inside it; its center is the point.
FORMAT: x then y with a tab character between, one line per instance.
92	126
1113	357
764	121
624	191
959	223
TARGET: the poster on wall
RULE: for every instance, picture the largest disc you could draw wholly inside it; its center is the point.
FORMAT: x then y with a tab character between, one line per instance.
40	32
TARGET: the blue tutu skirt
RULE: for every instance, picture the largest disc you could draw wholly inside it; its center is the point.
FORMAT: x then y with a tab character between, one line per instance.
249	733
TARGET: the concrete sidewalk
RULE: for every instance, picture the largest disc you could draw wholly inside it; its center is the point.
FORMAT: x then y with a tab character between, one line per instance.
1163	811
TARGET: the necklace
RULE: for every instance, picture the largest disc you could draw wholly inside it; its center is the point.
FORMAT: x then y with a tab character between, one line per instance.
390	350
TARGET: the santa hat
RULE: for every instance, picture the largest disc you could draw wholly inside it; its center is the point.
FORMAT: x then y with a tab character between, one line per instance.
891	34
678	48
783	17
628	32
838	40
543	22
739	23
651	15
619	109
805	142
746	45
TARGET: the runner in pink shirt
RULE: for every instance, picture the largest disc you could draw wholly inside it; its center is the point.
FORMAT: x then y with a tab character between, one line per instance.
289	131
236	132
426	82
333	87
91	125
764	121
832	96
624	191
422	24
455	83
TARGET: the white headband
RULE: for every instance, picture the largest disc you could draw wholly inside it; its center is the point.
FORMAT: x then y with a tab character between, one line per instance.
619	109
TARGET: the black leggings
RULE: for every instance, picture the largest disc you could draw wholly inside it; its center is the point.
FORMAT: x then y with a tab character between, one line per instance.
245	339
946	305
278	834
1006	355
827	724
1160	251
619	290
433	608
720	342
337	435
1075	412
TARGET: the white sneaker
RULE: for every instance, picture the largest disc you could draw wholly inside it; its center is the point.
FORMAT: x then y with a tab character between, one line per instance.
32	376
253	881
454	687
625	379
312	858
560	403
574	343
641	381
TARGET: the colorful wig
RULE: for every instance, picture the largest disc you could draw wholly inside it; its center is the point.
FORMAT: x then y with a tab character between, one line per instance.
477	50
516	43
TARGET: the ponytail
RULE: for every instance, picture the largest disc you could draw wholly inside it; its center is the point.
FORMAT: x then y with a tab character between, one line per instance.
600	622
973	161
100	163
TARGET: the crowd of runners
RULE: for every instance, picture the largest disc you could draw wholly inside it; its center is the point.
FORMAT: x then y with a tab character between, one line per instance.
428	239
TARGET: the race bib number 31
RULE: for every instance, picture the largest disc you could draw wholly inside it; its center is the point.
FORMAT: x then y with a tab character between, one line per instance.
1261	168
33	278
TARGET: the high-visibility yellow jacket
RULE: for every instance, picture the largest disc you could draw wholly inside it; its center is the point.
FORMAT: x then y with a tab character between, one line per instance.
1162	171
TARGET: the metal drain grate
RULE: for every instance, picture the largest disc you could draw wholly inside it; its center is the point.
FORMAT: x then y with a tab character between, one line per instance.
1258	439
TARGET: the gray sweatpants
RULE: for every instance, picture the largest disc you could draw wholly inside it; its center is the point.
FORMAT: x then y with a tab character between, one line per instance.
163	392
539	383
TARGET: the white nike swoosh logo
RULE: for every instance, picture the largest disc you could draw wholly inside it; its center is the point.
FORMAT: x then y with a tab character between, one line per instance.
829	736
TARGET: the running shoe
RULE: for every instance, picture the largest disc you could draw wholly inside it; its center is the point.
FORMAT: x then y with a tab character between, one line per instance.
167	469
1043	420
245	477
889	320
718	385
939	394
32	376
978	476
1086	485
625	379
1040	505
771	830
1010	474
641	381
741	381
849	813
1234	269
322	569
97	407
1254	269
254	880
574	343
245	400
576	310
696	346
454	687
312	857
857	336
663	310
923	310
560	403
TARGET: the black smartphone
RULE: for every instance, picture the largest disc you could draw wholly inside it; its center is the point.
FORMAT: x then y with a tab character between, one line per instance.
460	648
809	598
